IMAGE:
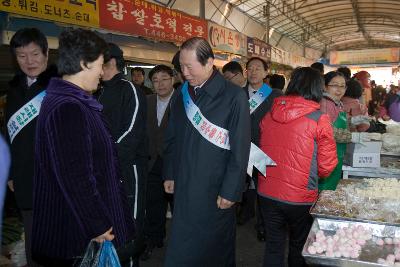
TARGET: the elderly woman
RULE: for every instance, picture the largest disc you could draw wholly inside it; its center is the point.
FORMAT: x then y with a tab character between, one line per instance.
77	191
299	138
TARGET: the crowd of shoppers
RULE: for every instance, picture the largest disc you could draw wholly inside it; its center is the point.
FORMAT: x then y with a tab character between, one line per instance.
93	158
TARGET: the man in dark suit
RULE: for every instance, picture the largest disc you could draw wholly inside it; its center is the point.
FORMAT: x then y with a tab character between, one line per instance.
257	69
30	50
158	109
233	72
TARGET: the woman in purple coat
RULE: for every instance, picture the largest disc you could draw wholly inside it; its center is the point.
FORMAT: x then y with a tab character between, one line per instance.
77	191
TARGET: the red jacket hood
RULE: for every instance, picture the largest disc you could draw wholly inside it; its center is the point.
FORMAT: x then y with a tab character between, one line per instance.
289	108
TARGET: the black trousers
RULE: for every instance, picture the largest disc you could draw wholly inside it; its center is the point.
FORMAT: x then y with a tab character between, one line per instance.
156	205
279	219
27	220
248	205
134	180
259	215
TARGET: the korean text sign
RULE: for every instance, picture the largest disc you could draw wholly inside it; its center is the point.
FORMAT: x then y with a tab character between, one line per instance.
367	56
258	48
77	12
227	40
146	19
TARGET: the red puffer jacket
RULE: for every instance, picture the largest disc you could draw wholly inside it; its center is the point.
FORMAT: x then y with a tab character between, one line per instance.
299	138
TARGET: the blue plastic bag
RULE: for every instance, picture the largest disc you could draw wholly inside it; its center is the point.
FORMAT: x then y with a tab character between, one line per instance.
100	255
108	256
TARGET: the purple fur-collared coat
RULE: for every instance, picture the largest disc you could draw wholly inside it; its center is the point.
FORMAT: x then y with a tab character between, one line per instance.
77	190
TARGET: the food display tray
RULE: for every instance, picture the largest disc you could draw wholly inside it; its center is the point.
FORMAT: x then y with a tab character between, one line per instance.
370	252
333	205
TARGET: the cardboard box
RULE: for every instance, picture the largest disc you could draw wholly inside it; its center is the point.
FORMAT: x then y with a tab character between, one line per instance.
364	155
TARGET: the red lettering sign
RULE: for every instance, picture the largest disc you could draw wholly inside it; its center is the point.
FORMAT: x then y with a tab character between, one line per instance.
145	19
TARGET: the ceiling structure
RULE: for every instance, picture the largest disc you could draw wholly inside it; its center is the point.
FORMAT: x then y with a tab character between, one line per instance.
329	24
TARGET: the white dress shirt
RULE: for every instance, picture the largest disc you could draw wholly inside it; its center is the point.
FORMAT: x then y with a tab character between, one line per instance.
30	81
252	91
162	107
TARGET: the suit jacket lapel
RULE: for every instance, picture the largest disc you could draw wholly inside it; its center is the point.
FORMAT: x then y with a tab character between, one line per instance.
153	111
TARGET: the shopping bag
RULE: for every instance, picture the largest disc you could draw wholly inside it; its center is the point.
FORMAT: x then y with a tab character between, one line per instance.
100	255
108	256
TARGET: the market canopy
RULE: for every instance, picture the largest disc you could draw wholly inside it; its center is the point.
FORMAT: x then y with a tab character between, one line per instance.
329	24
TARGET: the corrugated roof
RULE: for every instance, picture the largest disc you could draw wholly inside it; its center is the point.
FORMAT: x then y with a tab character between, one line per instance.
330	24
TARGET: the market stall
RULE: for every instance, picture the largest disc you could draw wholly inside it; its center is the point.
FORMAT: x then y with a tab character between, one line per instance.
390	167
356	225
377	157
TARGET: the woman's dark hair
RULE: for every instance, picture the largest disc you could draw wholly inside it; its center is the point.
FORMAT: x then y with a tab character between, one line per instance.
332	74
265	64
25	36
354	89
306	82
202	48
277	81
346	72
318	66
76	45
161	68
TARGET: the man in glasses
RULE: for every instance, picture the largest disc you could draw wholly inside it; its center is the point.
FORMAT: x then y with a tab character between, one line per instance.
158	109
233	72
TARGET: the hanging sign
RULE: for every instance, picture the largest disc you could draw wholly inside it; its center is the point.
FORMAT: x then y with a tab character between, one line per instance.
77	12
258	48
149	20
367	56
226	40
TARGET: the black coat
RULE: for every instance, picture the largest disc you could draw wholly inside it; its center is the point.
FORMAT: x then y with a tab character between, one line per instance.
257	116
23	146
201	234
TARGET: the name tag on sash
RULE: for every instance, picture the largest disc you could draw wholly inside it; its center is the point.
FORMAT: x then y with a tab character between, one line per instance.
257	157
24	115
211	132
259	97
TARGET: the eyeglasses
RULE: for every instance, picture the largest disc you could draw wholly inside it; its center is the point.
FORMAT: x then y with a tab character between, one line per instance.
340	86
161	81
254	69
230	78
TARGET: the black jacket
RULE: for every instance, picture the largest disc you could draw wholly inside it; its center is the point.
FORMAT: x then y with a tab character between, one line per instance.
124	107
23	146
146	90
257	116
